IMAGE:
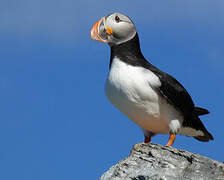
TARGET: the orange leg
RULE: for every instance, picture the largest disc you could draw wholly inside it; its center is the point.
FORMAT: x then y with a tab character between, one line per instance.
147	139
171	139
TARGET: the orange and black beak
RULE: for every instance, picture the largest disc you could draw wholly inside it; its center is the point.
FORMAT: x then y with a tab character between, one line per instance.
99	32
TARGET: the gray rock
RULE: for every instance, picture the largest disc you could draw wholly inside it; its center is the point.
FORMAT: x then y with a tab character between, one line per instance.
157	162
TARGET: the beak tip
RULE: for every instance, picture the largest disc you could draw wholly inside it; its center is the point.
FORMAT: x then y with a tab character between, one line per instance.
94	34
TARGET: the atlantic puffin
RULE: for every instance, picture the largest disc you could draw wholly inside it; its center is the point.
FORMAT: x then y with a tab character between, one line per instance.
151	98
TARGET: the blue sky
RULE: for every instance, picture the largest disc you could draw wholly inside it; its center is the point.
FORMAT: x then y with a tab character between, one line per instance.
55	121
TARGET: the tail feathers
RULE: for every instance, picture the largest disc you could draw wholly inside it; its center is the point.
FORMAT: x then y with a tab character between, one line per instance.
207	135
200	111
197	129
204	138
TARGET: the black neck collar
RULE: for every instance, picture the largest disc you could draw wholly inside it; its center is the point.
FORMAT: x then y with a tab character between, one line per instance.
129	52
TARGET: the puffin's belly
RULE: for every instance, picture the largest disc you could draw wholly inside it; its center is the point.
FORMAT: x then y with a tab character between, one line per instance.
146	114
130	90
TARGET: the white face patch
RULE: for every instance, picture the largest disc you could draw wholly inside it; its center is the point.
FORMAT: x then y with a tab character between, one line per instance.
123	29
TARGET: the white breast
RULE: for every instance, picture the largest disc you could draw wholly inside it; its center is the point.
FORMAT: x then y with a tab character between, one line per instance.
132	90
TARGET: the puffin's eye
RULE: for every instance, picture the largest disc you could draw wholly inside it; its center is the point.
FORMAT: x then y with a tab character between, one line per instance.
117	19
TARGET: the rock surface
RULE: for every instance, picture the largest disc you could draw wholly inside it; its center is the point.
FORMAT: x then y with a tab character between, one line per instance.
157	162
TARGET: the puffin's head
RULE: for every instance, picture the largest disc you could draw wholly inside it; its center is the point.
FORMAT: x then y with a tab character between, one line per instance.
113	29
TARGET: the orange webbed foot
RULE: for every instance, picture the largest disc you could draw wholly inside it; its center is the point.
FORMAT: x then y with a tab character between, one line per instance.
147	139
171	139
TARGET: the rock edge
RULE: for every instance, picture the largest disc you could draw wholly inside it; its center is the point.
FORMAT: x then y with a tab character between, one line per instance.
157	162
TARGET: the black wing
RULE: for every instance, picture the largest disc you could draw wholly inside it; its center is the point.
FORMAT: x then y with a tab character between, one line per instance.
175	93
